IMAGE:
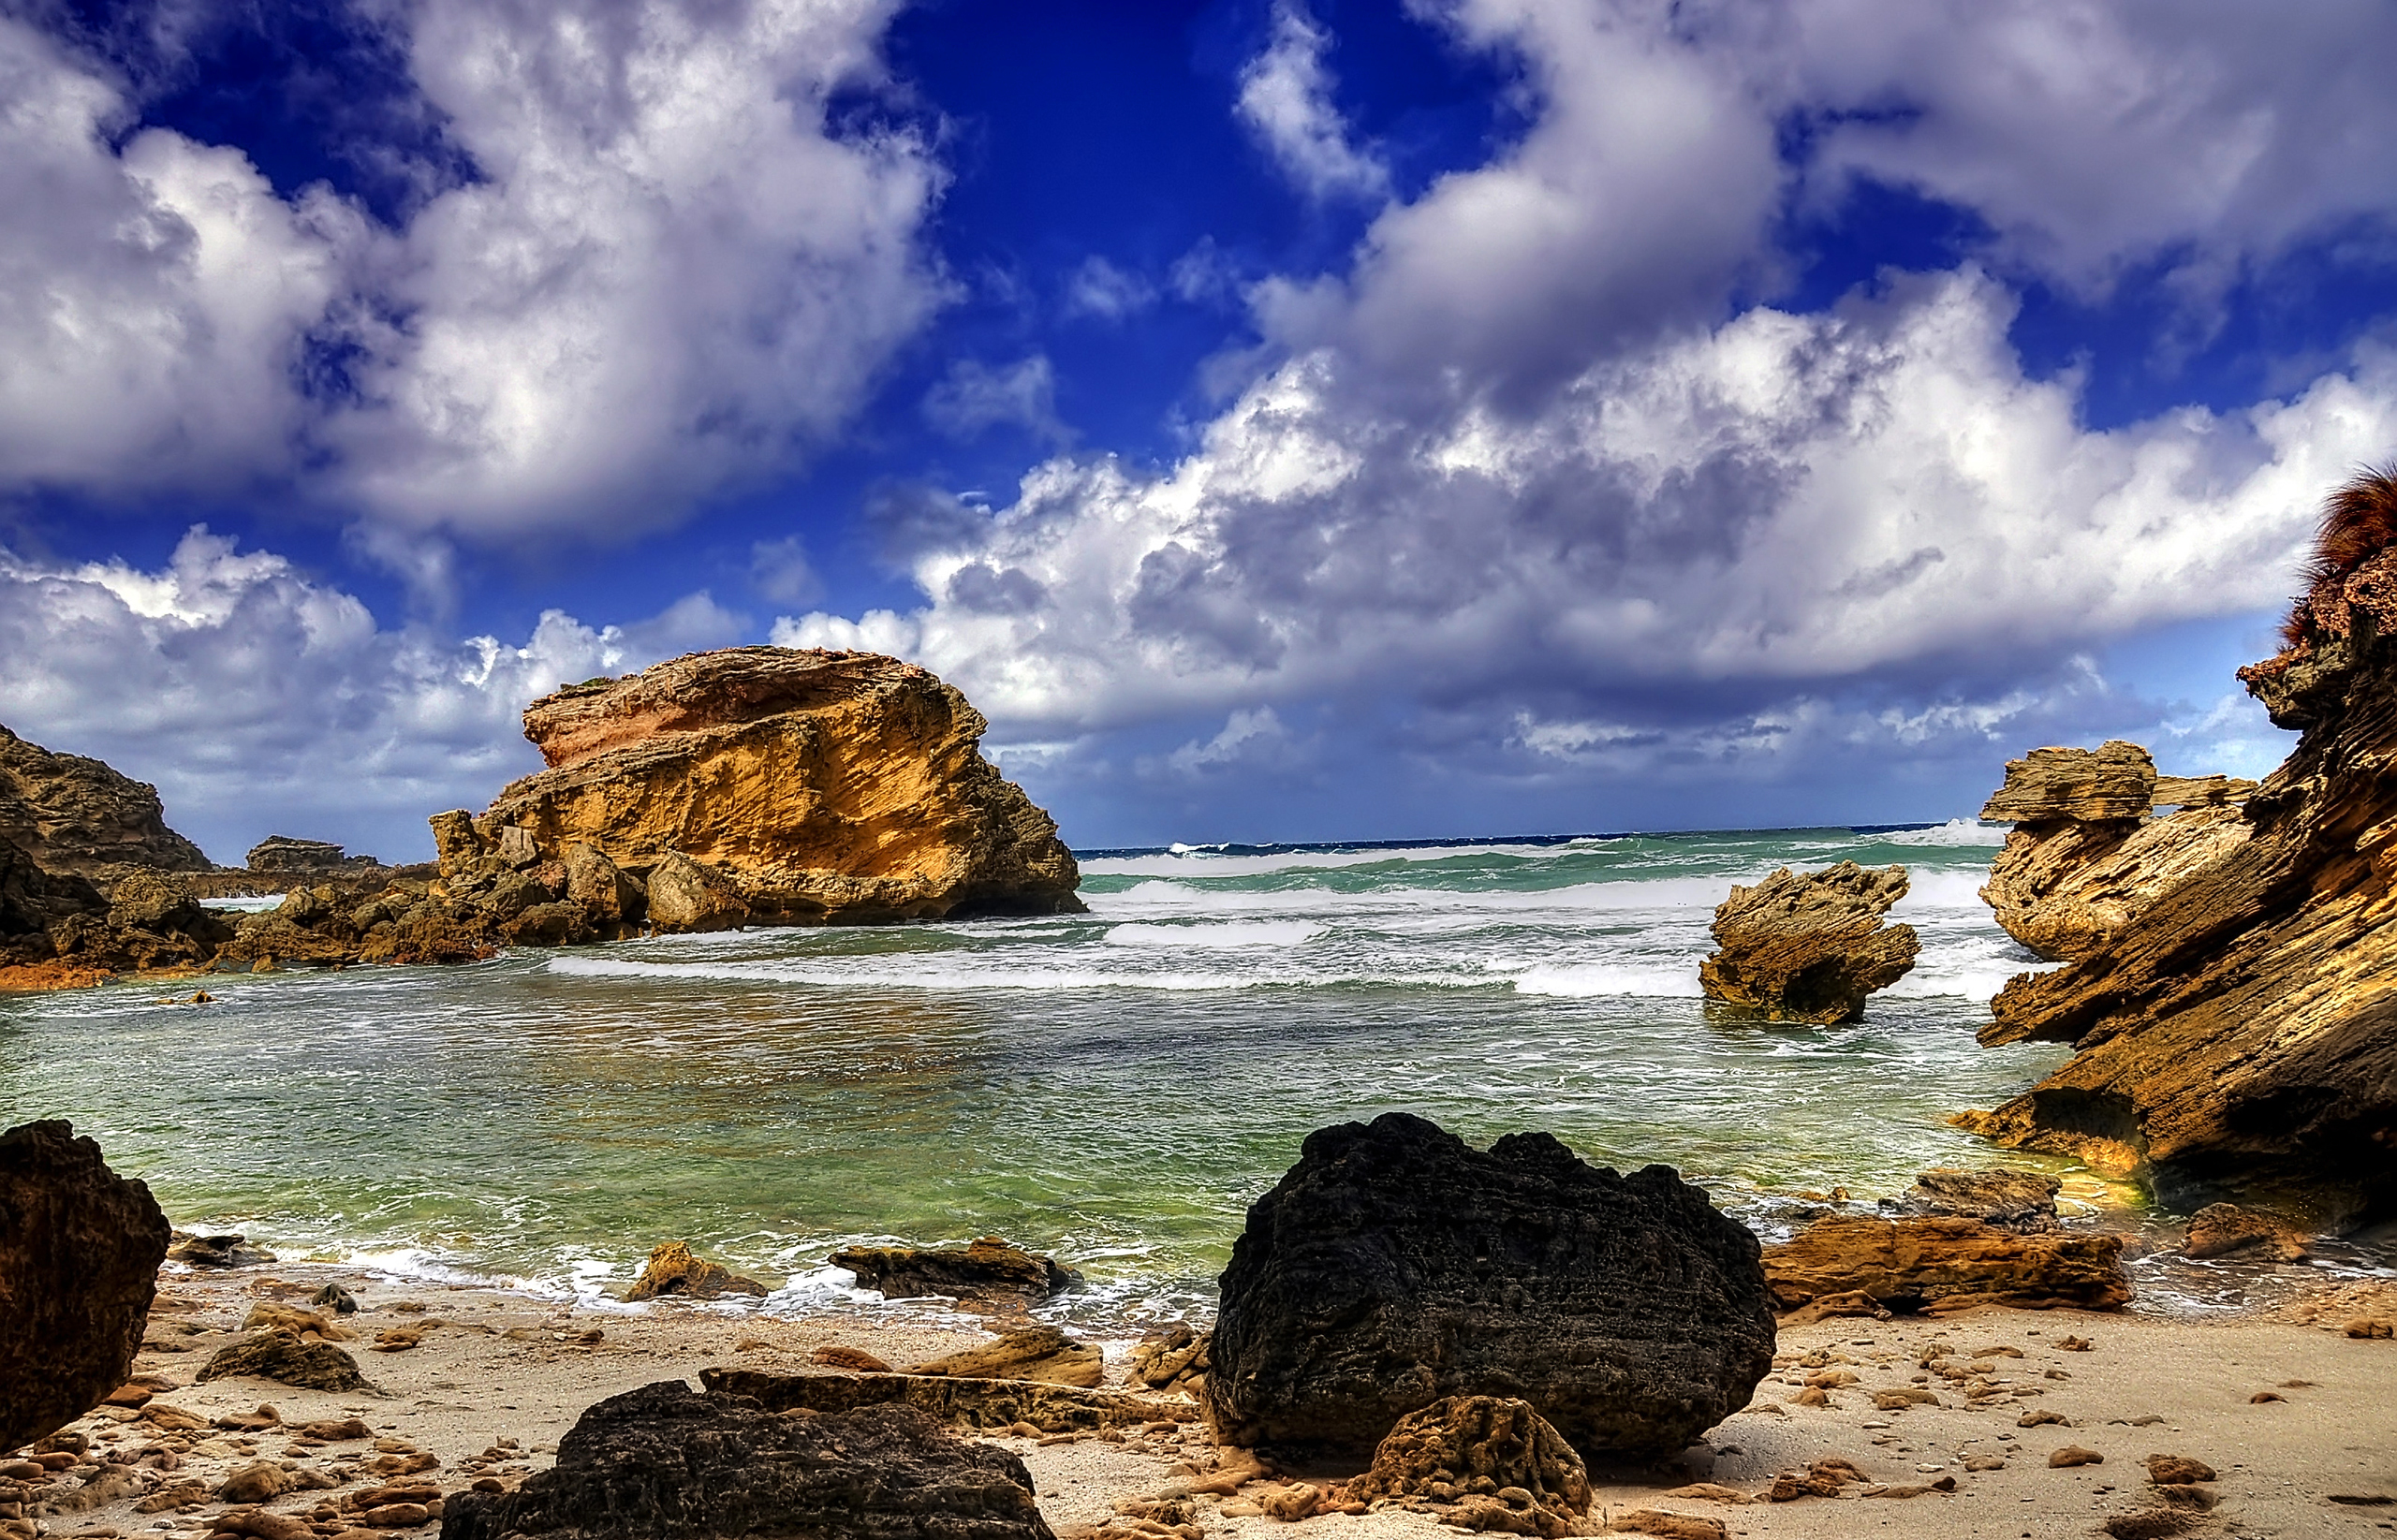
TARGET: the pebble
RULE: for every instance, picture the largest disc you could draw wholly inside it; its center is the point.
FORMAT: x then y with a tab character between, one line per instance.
2072	1455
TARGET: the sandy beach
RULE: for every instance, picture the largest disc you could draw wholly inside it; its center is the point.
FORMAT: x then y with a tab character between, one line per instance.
2296	1418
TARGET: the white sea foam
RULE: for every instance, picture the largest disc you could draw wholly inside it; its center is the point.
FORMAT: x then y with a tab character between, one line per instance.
1236	933
1587	980
1183	861
1955	832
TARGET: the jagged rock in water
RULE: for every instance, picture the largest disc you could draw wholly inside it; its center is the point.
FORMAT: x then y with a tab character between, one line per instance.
989	1269
1937	1265
2219	1230
75	815
673	1270
666	1462
283	852
1395	1266
2012	1200
971	1403
2083	858
1439	1453
2239	1035
1036	1353
773	785
1809	946
79	1249
283	1357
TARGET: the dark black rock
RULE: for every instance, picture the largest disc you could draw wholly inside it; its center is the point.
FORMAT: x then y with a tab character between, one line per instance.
990	1269
667	1463
79	1249
1395	1264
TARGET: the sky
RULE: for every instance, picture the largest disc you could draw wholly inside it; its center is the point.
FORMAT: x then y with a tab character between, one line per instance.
1285	420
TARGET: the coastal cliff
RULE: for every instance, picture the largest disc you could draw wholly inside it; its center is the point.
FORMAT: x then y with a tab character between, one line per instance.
75	816
2236	1009
769	786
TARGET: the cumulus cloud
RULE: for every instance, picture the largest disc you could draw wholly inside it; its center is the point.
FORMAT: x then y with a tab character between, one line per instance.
668	276
1286	100
973	397
262	701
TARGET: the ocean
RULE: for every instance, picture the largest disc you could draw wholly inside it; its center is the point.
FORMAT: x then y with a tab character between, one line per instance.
1114	1088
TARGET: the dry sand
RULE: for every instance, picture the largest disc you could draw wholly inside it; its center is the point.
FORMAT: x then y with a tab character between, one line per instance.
496	1365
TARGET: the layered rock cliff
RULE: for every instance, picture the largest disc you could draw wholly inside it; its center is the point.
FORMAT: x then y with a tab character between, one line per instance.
2238	1031
74	814
771	785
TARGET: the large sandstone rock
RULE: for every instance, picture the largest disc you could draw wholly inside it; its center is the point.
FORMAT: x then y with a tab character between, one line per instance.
1395	1266
1465	1446
2012	1200
993	1404
1809	946
667	1463
673	1270
1937	1265
989	1269
284	853
2241	1034
75	815
772	786
79	1249
2114	782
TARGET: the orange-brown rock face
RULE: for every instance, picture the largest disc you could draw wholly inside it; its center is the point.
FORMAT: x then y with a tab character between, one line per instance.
805	787
2239	1031
1940	1264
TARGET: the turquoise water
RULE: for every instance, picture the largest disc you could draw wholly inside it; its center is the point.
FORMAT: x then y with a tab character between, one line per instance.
1113	1087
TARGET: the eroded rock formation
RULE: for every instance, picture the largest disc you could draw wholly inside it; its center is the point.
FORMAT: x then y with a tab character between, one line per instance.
2084	857
2240	1035
1395	1266
989	1269
1937	1265
1809	946
771	785
1041	1353
79	1249
1465	1447
673	1270
75	815
283	852
2012	1200
667	1463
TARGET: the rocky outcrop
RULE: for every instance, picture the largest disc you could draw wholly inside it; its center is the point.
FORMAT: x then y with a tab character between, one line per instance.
1809	946
2223	1229
1468	1449
286	1358
1035	1353
1176	1358
667	1463
2084	857
2241	1035
772	786
281	853
79	1249
33	904
1939	1266
75	815
991	1404
988	1269
672	1269
2012	1200
1395	1266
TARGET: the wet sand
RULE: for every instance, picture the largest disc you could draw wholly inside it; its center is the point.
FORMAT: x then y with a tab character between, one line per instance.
493	1365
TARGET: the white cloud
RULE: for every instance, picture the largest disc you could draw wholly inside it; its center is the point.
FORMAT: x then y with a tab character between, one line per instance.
670	277
261	700
1099	289
973	397
781	572
1286	100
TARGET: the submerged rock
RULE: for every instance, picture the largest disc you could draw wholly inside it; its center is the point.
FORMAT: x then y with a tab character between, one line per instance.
2236	1035
1467	1446
1937	1265
773	785
1036	1353
989	1269
673	1270
1395	1265
666	1462
79	1249
1809	946
2013	1200
2219	1230
971	1403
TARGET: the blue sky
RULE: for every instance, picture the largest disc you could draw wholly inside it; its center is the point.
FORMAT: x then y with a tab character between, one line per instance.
1284	420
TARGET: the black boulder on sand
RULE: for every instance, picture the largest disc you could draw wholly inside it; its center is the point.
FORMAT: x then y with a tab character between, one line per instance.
1395	1264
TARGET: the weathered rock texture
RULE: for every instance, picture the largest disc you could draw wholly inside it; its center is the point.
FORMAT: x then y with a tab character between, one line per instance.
1809	946
989	1269
2084	857
1035	1353
76	814
1395	1266
1466	1447
1937	1265
971	1403
79	1249
2012	1200
288	1358
672	1269
283	852
666	1462
2241	1034
767	784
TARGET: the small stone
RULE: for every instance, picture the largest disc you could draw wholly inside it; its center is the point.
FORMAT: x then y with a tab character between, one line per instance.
398	1516
337	1298
1289	1503
2041	1420
838	1355
257	1483
1672	1526
2261	1397
2072	1455
2170	1470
